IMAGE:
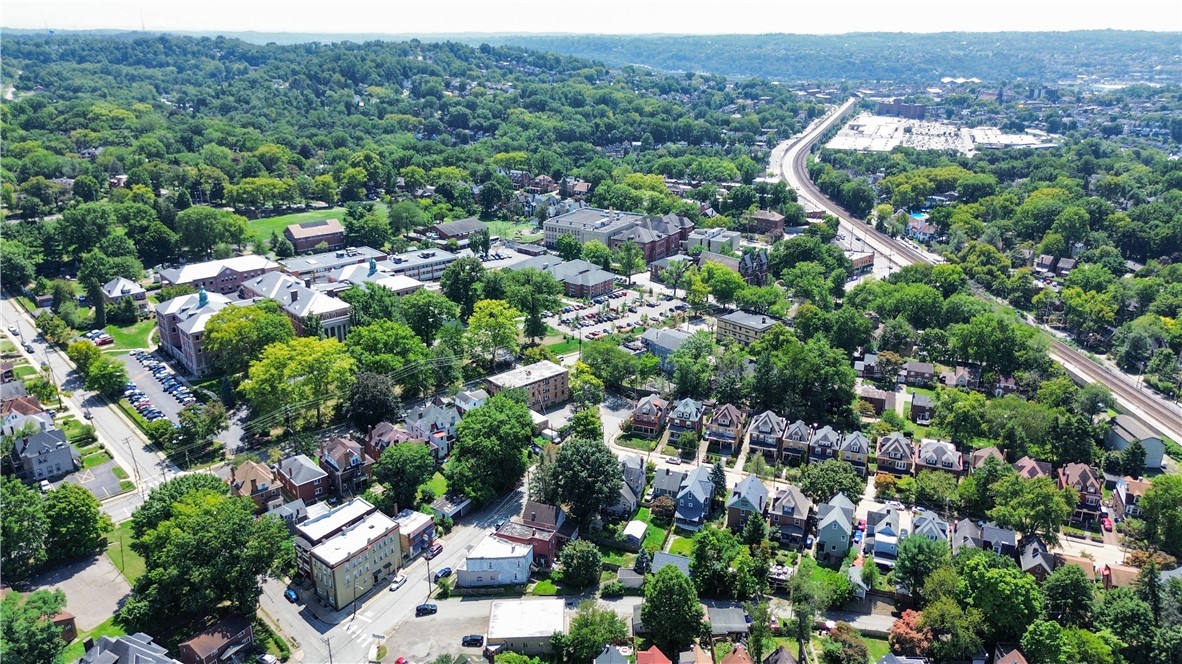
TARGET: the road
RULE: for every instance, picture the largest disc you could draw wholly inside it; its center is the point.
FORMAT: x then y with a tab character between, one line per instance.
380	612
127	445
788	162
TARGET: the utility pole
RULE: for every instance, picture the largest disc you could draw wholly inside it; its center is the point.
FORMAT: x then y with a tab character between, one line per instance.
328	642
135	462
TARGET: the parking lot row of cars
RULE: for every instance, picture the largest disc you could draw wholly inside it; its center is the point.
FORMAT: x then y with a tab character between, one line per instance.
99	338
168	381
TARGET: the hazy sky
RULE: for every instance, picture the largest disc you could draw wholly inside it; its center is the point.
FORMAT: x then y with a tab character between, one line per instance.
595	16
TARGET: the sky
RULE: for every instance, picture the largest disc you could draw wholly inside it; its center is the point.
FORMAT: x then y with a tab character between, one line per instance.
593	16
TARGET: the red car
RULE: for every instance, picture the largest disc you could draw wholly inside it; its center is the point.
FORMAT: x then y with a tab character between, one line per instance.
103	341
1107	523
861	524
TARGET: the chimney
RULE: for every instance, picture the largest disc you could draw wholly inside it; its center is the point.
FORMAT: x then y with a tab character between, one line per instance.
533	516
295	295
254	486
88	644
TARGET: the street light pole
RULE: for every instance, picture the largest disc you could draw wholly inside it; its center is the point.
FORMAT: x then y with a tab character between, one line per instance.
328	642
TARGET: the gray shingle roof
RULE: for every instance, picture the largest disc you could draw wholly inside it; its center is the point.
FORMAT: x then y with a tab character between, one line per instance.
301	470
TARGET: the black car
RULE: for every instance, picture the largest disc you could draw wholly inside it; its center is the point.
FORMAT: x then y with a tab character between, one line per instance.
426	610
472	641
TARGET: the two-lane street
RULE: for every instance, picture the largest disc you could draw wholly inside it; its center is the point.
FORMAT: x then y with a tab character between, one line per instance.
127	445
379	613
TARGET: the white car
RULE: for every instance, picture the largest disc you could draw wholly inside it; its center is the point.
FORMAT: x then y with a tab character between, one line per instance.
397	582
676	461
13	331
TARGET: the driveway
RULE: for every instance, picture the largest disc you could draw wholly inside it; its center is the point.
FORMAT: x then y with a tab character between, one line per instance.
94	589
148	384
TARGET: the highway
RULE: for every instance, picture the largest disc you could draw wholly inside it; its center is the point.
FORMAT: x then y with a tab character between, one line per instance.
127	445
788	161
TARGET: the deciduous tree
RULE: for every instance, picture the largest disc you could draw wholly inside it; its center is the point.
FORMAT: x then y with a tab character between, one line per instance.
581	563
671	611
918	558
492	328
24	529
29	634
371	400
402	469
587	476
489	454
75	525
235	336
426	312
821	481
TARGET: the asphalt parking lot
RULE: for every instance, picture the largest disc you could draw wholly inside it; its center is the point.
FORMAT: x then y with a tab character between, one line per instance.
99	480
147	383
423	639
93	586
655	307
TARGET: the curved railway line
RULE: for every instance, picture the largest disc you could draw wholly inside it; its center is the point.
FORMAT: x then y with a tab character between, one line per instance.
1163	416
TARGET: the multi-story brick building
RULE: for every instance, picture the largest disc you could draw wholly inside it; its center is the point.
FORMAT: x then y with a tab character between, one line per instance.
302	304
546	383
657	236
220	276
311	234
180	327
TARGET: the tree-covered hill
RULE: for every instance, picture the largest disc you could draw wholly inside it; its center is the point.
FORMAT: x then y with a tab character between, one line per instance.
904	57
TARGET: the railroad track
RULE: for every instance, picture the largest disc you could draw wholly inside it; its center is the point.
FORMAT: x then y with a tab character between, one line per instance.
1163	416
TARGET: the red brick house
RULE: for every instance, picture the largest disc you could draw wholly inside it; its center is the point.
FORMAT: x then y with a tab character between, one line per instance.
648	417
302	478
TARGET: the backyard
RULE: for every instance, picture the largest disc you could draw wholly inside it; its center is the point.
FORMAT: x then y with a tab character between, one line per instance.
636	443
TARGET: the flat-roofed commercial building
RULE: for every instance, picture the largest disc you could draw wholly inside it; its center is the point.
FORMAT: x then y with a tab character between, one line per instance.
315	268
425	265
353	561
545	382
743	327
525	626
587	224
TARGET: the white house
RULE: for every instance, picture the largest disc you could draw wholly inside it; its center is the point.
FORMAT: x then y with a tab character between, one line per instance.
525	626
496	562
1126	429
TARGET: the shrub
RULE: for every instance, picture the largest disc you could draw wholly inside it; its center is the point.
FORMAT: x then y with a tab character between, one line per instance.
612	589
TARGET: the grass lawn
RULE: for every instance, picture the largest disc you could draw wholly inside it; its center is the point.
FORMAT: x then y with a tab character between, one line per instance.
921	390
636	443
655	537
120	473
96	459
7	346
615	556
547	588
878	648
132	336
261	229
438	484
130	563
24	371
507	230
77	649
564	347
681	546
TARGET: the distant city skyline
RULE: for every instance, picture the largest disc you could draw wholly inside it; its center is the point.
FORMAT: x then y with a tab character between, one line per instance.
400	17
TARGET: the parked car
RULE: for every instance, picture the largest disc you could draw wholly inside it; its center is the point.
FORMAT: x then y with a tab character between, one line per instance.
13	331
808	542
45	486
1107	523
291	595
857	537
472	641
435	550
426	610
672	460
442	574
